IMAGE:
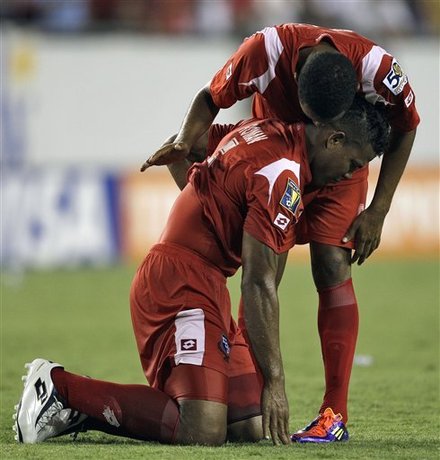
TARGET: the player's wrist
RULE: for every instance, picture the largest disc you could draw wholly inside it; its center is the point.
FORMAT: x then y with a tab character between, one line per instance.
380	210
273	376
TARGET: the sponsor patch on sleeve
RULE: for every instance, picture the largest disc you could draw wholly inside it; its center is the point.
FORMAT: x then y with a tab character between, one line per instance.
409	99
281	221
396	79
229	72
291	198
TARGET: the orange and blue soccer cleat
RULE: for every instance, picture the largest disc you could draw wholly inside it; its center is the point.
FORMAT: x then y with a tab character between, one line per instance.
327	427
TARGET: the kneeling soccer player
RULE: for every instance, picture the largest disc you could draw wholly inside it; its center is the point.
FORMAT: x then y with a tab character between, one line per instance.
242	209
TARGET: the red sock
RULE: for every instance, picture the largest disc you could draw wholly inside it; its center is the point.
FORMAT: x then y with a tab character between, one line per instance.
135	411
338	323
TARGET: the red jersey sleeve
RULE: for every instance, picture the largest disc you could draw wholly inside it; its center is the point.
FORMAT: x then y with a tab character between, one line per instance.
237	79
274	206
384	81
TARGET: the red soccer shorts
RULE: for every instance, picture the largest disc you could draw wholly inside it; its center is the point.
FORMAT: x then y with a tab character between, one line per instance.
189	345
329	212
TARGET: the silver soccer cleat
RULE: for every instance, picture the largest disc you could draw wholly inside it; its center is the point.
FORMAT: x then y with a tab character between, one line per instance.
41	414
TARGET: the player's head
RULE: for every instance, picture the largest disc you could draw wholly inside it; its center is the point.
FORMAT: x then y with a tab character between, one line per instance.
327	84
338	148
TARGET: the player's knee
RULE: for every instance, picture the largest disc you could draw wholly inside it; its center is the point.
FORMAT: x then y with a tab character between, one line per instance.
250	430
207	436
204	437
330	264
202	422
207	433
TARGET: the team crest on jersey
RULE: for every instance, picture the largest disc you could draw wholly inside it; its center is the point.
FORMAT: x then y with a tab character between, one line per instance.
291	198
396	79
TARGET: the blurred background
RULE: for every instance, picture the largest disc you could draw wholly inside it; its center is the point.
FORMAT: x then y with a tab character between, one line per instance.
90	88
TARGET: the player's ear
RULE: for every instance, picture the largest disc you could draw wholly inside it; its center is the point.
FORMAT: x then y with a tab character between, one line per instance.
336	140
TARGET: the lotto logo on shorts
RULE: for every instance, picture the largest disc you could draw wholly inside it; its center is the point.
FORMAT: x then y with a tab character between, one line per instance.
189	338
188	344
281	221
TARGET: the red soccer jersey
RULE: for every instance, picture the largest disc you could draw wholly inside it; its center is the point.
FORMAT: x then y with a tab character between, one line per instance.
265	66
253	181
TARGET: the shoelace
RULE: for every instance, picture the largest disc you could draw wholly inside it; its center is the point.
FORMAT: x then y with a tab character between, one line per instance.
68	418
79	428
49	414
325	421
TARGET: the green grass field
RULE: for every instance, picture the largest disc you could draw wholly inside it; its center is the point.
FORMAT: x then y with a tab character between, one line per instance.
81	319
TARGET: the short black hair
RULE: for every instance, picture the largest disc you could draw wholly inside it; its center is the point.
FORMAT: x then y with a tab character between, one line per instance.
365	124
327	83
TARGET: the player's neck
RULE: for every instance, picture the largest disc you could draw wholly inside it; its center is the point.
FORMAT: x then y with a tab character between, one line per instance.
311	137
304	53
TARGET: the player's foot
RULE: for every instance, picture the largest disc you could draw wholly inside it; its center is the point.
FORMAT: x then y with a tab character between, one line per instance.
327	427
41	413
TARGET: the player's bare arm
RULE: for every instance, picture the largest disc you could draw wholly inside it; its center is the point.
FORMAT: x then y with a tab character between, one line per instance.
367	228
197	121
262	270
179	169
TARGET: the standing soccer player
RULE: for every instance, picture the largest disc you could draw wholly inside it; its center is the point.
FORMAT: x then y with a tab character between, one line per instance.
241	204
298	72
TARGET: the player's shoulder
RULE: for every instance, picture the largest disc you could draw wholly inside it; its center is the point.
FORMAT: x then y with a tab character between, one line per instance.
348	42
253	133
270	139
303	31
261	43
256	129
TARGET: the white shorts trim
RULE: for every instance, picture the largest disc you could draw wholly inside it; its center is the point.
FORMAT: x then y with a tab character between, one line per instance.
190	337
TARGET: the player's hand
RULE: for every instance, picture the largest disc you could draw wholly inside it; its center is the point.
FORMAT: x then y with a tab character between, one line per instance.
275	408
168	153
365	231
